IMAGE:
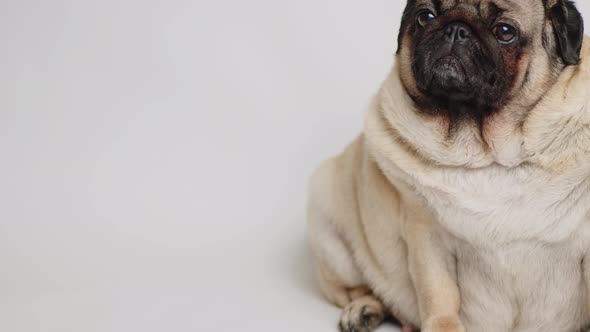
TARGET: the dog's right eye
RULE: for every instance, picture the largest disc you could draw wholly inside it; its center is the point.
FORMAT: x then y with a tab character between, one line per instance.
505	33
424	17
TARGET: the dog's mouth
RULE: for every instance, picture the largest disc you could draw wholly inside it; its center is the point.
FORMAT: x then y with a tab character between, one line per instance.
448	75
451	67
455	74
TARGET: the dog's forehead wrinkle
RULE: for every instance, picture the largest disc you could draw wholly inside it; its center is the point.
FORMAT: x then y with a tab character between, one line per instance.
527	15
484	6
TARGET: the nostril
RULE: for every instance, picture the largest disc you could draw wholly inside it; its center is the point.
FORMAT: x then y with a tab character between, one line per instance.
462	33
457	32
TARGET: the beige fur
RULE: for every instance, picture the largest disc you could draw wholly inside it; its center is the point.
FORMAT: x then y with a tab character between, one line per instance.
489	232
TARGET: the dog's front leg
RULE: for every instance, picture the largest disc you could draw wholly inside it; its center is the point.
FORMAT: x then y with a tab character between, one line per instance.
437	292
586	270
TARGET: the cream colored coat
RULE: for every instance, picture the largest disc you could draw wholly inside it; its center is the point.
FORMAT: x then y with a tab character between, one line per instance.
453	237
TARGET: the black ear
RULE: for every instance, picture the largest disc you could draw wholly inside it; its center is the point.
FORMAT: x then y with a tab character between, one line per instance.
569	30
407	20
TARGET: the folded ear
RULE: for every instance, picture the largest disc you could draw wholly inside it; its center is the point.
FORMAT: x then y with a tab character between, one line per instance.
569	30
407	20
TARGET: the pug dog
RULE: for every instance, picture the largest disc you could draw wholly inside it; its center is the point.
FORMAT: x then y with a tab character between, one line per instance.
465	203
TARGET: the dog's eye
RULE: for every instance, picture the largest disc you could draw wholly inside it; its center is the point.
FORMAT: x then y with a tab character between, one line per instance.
424	17
505	33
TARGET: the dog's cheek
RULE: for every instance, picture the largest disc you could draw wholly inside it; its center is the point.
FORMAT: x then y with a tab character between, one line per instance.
515	63
406	60
512	60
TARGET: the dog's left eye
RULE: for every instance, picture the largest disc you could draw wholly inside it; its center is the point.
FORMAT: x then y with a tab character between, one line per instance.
424	17
505	33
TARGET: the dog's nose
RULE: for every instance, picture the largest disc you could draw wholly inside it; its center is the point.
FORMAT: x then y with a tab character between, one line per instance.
457	32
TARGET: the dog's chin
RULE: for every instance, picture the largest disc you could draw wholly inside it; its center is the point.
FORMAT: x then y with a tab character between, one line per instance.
449	81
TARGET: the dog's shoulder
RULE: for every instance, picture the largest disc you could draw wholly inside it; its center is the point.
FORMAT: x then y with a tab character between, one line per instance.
557	131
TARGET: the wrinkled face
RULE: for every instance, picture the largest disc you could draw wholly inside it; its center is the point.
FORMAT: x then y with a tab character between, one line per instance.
472	57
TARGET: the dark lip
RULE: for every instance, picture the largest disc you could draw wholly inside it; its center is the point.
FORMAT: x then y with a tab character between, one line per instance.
456	78
451	61
453	65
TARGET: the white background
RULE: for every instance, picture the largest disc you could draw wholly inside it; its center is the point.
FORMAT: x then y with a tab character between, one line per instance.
154	157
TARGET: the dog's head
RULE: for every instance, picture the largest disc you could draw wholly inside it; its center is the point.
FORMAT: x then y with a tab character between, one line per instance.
470	58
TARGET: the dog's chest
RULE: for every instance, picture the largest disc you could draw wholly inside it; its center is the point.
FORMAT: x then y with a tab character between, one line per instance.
522	287
519	237
498	205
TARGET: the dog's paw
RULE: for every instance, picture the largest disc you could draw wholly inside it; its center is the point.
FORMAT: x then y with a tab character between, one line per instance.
362	315
443	324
